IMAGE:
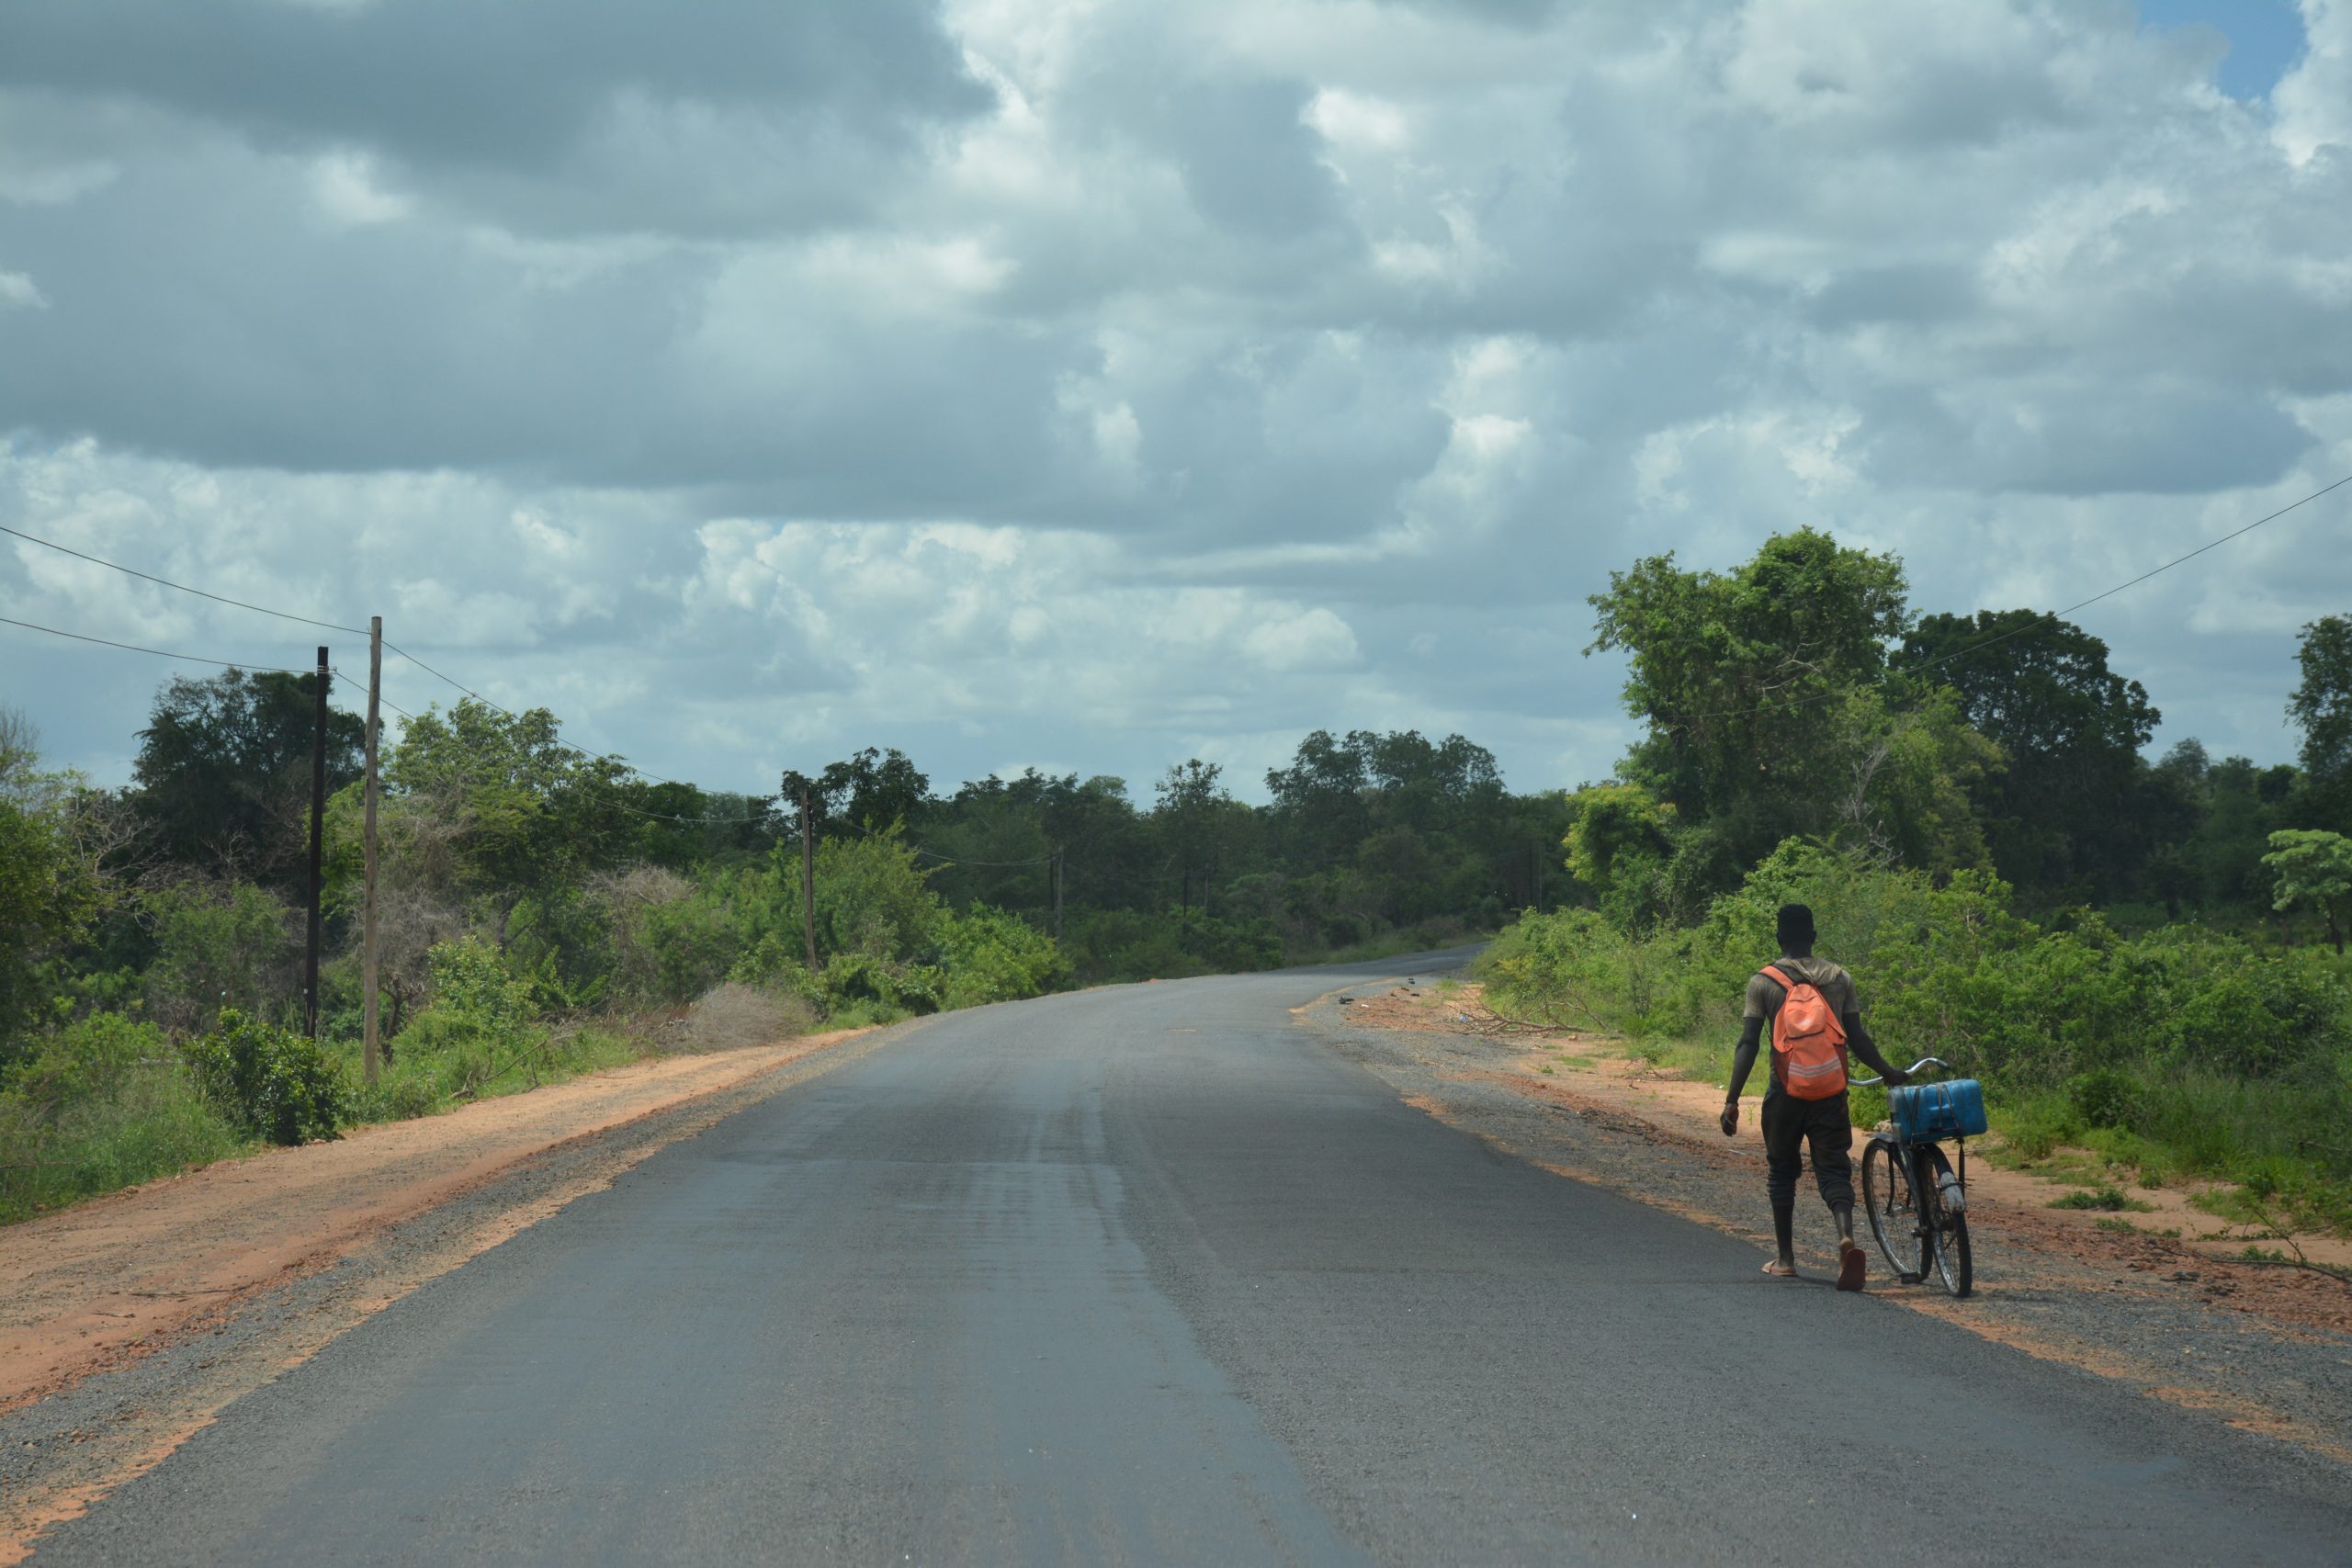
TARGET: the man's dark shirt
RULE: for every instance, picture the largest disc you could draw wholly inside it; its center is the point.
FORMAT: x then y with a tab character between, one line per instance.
1764	999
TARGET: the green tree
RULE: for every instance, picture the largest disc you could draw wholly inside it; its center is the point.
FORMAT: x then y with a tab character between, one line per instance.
506	804
873	900
223	771
869	790
220	943
2232	807
1737	675
1912	771
50	886
2322	707
1190	812
1620	844
1318	800
2073	802
2313	869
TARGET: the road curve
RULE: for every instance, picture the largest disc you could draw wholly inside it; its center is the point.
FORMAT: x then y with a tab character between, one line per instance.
1148	1274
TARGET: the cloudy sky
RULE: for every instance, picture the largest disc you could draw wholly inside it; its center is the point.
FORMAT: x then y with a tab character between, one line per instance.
1094	383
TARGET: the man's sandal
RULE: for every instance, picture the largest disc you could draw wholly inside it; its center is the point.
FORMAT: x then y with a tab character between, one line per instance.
1852	1265
1776	1270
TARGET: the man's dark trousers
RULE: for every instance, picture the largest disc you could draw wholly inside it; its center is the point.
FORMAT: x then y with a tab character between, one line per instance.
1825	1125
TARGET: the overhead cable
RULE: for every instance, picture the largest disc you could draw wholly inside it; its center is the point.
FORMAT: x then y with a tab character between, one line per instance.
183	588
1678	721
158	652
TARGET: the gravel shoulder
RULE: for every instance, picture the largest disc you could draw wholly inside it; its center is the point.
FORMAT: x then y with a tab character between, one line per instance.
2263	1348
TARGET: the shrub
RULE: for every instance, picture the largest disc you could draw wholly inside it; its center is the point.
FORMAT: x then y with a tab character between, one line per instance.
89	1059
733	1014
100	1103
873	899
277	1084
684	947
470	977
2104	1097
991	956
225	945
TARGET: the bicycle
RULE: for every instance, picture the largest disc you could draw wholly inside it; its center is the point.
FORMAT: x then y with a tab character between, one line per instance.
1918	1203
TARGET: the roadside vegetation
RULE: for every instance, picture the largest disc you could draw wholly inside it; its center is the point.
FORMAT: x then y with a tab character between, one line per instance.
2143	962
544	912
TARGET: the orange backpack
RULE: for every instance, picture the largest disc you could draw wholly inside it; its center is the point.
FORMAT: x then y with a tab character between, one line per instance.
1808	1043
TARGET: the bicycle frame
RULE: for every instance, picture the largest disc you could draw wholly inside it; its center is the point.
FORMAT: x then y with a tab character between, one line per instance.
1919	1172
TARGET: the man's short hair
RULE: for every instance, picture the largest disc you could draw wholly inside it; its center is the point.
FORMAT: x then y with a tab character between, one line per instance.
1795	924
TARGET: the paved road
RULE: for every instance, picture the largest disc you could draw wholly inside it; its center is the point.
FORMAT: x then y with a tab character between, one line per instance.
1148	1274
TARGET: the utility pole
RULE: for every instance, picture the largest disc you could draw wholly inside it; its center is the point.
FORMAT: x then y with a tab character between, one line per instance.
368	904
1058	853
809	879
318	822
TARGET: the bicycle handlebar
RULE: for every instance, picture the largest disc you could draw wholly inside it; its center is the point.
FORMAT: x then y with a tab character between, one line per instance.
1911	1071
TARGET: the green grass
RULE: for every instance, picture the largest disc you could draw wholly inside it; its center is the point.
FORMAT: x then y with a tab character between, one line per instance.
1389	945
435	1069
2107	1199
151	1123
2251	1136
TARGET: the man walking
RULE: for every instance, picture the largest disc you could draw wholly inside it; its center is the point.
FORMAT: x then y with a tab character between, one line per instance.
1808	1004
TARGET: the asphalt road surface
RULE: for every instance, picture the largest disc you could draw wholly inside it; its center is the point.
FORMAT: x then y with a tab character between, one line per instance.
1151	1275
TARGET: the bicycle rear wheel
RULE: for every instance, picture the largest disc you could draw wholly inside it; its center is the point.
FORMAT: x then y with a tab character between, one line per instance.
1894	1211
1947	1228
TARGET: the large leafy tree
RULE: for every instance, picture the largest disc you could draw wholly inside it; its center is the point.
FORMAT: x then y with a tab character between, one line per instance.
507	804
2314	871
2322	707
223	769
1739	676
1318	800
1339	791
50	889
869	790
2073	808
1192	812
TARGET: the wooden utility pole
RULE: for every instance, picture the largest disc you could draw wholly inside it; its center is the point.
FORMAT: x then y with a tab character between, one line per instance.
1058	853
318	823
368	904
808	879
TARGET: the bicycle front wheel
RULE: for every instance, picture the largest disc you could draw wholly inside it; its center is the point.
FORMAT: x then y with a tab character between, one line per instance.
1947	1228
1894	1212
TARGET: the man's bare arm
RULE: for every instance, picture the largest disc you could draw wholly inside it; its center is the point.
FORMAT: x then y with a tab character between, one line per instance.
1743	1062
1867	1049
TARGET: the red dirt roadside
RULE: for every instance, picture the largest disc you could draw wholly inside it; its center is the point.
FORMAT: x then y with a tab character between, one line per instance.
107	1281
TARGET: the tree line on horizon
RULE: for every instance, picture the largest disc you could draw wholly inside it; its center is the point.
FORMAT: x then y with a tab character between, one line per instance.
1794	697
543	910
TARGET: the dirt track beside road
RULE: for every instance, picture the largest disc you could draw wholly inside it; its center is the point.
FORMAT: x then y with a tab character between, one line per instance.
105	1281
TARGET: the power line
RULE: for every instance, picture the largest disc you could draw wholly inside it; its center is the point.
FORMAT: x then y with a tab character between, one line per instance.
578	753
2153	572
1685	720
379	696
283	616
183	588
618	805
158	652
460	686
992	864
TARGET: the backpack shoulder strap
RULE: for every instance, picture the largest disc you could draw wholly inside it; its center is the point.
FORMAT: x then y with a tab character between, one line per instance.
1772	972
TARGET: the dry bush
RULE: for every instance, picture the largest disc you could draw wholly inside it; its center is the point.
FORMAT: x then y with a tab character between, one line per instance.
626	896
733	1014
410	921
